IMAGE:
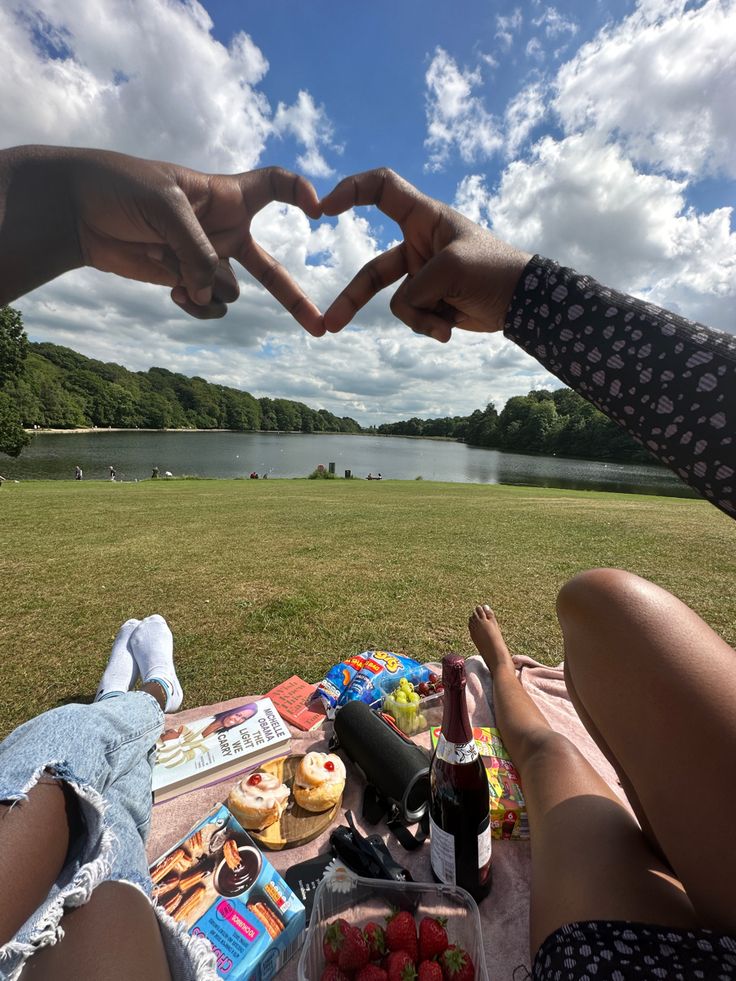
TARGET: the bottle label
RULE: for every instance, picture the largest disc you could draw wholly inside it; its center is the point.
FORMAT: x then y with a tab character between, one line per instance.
442	853
484	849
456	752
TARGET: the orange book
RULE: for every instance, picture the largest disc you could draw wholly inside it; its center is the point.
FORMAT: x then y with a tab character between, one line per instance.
292	700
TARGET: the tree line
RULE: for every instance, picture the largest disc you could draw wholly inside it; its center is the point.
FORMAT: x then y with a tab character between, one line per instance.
54	387
560	423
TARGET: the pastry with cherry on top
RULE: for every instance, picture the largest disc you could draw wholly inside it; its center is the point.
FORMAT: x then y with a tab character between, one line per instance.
258	801
319	781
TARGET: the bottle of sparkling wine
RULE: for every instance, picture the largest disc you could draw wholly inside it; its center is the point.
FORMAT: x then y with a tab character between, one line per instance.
459	807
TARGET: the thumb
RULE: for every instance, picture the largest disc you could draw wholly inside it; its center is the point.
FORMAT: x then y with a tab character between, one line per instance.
181	231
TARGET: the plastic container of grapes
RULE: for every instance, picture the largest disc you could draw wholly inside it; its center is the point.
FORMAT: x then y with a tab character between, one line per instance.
361	900
427	714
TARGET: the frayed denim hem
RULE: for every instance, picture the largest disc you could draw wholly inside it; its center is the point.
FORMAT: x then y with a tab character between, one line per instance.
44	928
190	958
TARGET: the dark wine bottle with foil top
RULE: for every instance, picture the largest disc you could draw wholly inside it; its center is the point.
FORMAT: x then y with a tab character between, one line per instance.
459	807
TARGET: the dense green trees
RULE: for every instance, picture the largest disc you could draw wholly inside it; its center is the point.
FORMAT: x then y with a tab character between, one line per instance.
560	423
13	353
50	386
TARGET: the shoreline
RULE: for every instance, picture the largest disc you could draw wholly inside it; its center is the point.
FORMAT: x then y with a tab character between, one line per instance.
243	432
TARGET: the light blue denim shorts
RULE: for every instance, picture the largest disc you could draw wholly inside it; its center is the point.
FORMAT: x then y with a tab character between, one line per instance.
104	753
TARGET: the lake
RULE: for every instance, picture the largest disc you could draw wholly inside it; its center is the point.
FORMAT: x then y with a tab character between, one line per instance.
225	454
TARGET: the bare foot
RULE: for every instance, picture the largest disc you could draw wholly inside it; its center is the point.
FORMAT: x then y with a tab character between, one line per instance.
487	637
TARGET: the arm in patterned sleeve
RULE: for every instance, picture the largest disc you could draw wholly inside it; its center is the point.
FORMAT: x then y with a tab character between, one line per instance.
668	381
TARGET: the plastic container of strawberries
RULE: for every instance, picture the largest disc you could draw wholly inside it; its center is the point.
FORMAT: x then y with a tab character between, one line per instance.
360	900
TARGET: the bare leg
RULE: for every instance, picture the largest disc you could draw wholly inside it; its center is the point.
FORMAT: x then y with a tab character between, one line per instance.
113	937
27	872
603	746
660	688
590	859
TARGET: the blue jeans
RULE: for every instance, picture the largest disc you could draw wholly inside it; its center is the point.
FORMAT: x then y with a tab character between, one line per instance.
104	752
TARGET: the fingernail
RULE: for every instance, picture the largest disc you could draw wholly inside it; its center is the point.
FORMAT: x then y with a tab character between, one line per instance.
155	252
203	296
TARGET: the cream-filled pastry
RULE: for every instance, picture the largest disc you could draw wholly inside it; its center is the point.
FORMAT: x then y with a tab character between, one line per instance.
319	781
259	800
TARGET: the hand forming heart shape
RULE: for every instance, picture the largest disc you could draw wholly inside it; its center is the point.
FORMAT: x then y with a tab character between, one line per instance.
162	223
455	272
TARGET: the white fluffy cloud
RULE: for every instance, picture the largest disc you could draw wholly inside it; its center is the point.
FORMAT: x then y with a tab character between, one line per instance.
110	74
663	83
507	25
555	24
525	111
456	118
643	108
311	126
583	202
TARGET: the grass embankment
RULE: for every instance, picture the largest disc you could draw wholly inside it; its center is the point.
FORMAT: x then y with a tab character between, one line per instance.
263	579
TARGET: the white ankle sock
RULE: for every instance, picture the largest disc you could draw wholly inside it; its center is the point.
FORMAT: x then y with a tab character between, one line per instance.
152	646
121	672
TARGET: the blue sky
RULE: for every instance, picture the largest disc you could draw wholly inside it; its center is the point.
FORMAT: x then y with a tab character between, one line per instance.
600	133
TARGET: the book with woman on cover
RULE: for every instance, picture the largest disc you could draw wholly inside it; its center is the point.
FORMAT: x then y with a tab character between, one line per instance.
215	747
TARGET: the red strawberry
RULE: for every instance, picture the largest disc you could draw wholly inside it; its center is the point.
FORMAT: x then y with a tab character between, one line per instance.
354	951
432	937
429	971
332	940
401	933
372	972
376	938
333	973
400	966
457	964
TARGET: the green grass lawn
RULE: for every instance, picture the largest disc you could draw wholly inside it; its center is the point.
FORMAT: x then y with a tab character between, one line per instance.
260	580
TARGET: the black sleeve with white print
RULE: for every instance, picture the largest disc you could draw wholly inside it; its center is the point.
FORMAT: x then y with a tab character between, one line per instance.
670	382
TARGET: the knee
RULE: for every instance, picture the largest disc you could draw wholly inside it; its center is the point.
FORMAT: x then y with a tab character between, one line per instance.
548	751
600	608
600	592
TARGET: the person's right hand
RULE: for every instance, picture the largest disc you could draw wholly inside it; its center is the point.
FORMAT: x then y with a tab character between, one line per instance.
62	208
457	274
162	223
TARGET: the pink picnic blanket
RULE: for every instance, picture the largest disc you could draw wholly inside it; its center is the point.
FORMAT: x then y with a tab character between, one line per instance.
505	913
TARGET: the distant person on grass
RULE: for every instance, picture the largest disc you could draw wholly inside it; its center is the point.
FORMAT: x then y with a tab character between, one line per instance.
651	681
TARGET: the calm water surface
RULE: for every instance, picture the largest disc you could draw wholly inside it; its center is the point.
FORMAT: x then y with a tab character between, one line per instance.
218	454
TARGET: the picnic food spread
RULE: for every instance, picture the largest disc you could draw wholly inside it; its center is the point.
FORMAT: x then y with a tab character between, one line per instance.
218	874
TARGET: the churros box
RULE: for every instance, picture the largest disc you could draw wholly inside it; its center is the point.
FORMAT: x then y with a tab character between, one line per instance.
218	884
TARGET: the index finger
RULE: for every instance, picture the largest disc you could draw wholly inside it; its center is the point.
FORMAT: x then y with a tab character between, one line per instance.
384	188
272	275
261	187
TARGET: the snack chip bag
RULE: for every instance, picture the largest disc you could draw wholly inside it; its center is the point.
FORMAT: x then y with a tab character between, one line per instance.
336	681
381	673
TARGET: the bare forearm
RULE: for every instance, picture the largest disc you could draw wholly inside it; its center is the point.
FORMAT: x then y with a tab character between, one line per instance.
38	239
